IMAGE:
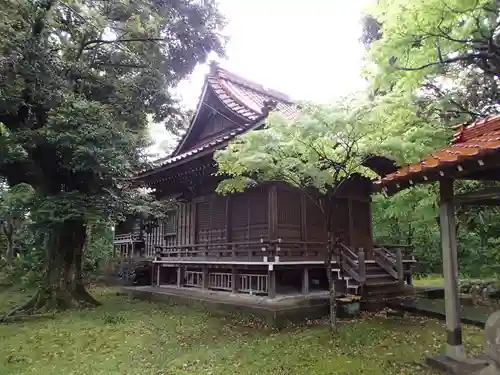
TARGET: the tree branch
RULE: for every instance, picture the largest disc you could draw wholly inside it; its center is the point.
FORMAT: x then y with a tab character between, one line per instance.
126	40
467	58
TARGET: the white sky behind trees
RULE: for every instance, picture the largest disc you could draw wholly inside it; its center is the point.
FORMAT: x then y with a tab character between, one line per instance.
308	50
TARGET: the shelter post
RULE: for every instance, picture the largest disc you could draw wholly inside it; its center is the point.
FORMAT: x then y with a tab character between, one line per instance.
454	346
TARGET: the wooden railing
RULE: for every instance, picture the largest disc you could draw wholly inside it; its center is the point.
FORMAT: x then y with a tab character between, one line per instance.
406	250
297	250
127	238
255	251
352	263
234	251
220	280
390	261
251	283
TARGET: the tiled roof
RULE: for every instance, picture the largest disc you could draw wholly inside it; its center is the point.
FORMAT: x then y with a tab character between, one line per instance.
209	145
469	142
245	98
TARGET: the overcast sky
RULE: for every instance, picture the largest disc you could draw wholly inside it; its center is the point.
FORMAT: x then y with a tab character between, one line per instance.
309	50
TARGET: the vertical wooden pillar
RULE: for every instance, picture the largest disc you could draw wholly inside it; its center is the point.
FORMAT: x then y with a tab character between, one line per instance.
399	267
273	212
158	275
271	283
228	224
129	260
351	224
303	221
454	346
361	266
205	277
122	260
235	282
180	277
305	281
369	255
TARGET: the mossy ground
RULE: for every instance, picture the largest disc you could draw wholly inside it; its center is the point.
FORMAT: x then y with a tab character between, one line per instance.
131	337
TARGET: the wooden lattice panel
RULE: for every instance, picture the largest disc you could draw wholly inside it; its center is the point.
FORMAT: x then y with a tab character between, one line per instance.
202	221
315	227
361	224
218	220
239	217
341	220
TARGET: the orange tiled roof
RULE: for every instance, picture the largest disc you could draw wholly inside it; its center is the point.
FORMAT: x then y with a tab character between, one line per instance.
469	142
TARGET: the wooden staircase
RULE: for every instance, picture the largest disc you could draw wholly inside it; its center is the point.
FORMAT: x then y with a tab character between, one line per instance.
380	278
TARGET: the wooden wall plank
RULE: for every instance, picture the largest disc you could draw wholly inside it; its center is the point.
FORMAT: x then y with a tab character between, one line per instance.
303	217
273	212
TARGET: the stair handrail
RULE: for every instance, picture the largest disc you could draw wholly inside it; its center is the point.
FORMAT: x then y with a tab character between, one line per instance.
352	263
346	249
390	262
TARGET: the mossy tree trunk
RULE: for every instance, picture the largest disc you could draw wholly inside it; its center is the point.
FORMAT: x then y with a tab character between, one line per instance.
62	285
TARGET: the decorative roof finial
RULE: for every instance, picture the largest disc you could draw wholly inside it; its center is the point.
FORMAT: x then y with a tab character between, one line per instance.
268	106
214	66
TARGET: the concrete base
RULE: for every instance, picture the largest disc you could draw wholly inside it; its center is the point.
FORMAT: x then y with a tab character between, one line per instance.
452	366
276	312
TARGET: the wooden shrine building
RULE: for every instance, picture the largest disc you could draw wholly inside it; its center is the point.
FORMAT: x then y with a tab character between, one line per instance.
269	240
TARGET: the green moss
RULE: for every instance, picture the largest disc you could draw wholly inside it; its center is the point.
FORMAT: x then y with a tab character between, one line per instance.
132	337
430	280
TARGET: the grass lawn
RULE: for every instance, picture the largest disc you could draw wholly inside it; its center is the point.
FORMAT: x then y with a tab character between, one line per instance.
133	337
430	280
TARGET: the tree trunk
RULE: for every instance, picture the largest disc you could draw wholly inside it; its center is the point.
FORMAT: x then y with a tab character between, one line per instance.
62	286
8	230
331	285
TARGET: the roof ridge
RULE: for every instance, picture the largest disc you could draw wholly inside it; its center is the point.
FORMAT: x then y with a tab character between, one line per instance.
252	85
463	131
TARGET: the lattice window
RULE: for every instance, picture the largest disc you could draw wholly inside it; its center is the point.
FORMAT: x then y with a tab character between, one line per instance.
289	207
239	217
259	203
218	220
170	224
202	221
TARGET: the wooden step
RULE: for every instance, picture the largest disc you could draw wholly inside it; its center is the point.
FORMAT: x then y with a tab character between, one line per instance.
381	283
379	275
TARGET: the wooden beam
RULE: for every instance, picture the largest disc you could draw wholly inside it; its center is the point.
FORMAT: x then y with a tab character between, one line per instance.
235	285
180	276
271	286
305	280
454	346
205	277
158	275
476	197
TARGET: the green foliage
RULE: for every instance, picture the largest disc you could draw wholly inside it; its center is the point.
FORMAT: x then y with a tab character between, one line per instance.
156	339
314	152
25	270
419	38
435	56
15	203
80	81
